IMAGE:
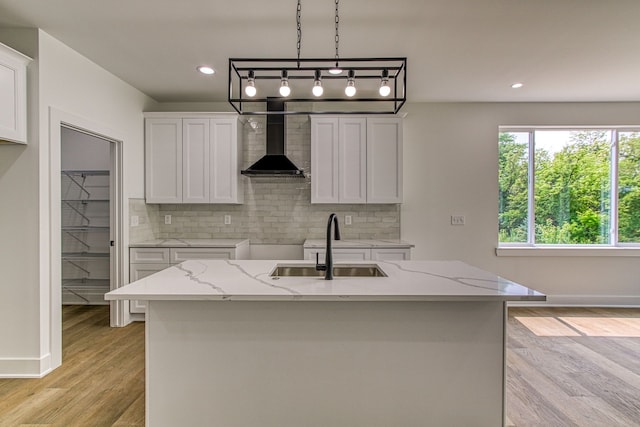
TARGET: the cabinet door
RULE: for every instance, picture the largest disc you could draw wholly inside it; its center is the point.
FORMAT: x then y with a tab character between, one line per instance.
137	272
352	160
163	160
13	95
394	254
195	160
384	160
224	161
324	160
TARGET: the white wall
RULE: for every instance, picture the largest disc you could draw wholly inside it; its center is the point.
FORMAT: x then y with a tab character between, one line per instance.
451	167
80	151
62	79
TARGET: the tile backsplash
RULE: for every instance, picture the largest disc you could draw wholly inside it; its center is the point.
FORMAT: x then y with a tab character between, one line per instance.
276	210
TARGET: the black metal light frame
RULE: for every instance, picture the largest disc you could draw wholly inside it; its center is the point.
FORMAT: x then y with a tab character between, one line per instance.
304	69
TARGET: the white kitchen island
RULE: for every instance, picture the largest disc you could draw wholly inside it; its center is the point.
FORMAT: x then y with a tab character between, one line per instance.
229	345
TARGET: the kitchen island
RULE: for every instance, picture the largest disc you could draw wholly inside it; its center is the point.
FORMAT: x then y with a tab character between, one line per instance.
229	344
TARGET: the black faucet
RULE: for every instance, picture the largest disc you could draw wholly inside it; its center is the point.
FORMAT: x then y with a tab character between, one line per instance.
327	267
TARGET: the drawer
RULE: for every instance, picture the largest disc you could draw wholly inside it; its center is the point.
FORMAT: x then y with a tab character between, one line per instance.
183	254
340	254
390	254
149	255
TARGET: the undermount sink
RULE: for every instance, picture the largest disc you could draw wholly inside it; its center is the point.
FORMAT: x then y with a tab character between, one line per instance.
340	270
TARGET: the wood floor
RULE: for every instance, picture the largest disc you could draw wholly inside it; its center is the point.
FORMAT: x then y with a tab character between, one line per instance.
100	383
565	367
573	367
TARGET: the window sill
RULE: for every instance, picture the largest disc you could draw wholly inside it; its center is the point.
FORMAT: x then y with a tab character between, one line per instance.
545	251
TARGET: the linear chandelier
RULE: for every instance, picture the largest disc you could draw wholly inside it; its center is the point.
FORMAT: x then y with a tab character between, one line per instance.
318	85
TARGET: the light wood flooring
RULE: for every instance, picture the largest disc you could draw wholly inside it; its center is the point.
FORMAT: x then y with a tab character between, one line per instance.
100	382
565	367
573	367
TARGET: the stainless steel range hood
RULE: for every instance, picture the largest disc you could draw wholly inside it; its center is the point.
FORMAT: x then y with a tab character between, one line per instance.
275	162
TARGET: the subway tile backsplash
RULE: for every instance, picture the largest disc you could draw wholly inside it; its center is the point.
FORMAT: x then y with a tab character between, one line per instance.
275	211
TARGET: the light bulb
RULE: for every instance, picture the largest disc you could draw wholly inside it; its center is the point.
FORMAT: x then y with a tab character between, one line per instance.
384	90
250	89
317	84
317	88
350	90
285	90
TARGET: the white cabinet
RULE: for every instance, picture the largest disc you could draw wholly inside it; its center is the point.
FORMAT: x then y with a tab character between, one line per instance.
384	160
390	254
339	254
144	261
356	159
163	160
13	95
192	160
360	254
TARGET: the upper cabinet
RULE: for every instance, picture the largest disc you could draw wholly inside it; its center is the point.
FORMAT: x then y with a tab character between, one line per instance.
192	159
356	159
13	95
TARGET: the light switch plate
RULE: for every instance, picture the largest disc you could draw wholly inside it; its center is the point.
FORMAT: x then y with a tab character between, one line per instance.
135	220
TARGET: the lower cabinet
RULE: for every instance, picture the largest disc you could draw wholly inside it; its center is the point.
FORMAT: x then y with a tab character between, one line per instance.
146	261
360	254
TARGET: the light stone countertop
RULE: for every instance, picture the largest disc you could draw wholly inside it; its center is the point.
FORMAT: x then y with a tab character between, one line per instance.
187	243
249	280
358	244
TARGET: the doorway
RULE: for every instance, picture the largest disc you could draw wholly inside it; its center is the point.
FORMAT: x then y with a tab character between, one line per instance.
86	238
52	320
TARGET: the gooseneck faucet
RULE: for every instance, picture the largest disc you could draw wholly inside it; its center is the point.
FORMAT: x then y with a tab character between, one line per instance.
327	267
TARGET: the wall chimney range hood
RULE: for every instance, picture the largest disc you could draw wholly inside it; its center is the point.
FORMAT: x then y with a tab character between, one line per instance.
275	163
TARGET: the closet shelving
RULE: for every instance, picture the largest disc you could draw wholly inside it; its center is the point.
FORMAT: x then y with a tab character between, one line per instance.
85	236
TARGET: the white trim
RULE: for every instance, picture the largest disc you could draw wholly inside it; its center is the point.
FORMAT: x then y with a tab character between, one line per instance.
564	251
621	301
57	119
29	367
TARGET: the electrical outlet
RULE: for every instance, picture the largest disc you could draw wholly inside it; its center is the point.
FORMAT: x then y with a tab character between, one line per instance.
457	219
227	219
167	219
135	220
347	219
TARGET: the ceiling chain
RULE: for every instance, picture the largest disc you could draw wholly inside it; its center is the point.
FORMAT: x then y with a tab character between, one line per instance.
298	13
337	33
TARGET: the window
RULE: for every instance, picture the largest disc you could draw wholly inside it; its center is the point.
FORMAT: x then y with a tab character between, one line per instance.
569	186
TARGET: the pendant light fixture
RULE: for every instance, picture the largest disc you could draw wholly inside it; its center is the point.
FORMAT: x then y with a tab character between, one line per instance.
284	84
250	88
350	90
384	90
381	82
317	84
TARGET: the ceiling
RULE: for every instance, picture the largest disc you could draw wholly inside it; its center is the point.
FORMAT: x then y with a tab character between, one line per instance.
457	50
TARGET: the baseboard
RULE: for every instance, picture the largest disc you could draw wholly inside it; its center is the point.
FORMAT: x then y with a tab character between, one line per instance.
26	367
632	301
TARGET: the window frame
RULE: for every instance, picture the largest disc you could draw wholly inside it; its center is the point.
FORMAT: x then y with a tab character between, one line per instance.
530	248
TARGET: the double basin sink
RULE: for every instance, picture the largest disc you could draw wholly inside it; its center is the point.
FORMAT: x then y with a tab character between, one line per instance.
339	270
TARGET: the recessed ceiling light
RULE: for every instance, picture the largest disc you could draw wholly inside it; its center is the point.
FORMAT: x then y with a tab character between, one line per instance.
204	69
516	85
